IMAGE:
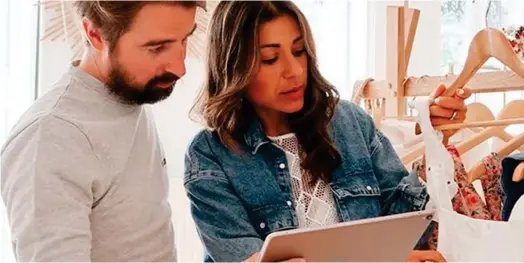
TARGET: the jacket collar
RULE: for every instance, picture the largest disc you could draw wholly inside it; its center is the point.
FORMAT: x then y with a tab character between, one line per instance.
255	135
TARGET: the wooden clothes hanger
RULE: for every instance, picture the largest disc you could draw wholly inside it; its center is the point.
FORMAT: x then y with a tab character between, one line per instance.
480	169
476	112
512	113
487	43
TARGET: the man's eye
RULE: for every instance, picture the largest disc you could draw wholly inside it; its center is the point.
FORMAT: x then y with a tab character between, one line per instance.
156	50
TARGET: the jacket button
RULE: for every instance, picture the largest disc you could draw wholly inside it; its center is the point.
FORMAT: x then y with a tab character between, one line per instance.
282	166
369	188
289	203
262	225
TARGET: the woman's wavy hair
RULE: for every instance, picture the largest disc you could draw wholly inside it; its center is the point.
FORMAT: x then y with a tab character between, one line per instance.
233	58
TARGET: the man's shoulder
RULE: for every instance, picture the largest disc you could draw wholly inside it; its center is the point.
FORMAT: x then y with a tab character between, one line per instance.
43	128
47	114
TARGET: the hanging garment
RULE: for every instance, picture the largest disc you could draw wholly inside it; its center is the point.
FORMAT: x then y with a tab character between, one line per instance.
462	238
491	185
513	191
466	201
517	213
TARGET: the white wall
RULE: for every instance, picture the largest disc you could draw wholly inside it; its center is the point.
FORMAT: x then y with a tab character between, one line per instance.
426	53
54	60
330	27
358	46
425	56
54	56
176	131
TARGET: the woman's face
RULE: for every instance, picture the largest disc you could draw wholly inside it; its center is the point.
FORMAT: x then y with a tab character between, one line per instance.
280	80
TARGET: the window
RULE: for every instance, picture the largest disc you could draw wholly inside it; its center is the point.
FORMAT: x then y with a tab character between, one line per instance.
340	32
18	43
461	20
329	25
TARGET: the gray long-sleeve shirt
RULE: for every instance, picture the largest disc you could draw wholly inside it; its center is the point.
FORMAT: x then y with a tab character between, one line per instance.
84	179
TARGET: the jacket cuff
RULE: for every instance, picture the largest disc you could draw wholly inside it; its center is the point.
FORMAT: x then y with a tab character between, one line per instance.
412	188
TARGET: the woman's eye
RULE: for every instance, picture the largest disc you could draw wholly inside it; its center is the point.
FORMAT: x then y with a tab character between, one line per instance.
299	52
270	61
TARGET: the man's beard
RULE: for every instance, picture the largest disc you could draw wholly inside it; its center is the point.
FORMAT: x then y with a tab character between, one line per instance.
120	85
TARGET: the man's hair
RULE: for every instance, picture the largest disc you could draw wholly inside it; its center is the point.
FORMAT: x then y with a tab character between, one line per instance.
114	18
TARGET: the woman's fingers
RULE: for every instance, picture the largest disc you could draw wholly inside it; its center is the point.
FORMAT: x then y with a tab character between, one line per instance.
425	256
443	121
438	111
450	103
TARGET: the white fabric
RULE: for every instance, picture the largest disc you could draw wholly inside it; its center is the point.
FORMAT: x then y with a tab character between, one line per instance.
462	238
517	213
398	133
314	204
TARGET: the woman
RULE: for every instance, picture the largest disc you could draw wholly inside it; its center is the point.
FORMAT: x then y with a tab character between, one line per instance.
282	151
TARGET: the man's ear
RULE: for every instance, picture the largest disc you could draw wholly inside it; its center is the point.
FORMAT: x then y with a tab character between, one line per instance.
93	35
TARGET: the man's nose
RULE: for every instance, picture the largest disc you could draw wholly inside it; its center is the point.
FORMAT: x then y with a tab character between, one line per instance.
177	64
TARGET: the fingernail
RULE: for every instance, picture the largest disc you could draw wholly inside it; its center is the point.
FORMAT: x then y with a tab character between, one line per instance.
437	100
460	91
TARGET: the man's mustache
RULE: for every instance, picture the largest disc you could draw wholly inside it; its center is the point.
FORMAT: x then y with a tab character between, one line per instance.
163	79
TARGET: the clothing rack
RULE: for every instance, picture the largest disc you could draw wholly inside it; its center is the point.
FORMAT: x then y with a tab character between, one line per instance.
388	98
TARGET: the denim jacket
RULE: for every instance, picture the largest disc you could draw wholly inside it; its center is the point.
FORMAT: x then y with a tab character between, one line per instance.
238	199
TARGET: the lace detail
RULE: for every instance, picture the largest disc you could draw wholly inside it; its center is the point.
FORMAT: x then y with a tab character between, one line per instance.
314	204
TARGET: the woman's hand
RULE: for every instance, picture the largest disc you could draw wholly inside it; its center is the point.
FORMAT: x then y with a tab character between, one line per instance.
448	110
445	110
256	258
425	256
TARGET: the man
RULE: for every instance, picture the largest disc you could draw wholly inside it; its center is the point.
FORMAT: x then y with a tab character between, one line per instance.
83	173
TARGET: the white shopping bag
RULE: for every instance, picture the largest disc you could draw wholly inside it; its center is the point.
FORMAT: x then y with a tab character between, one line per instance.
462	238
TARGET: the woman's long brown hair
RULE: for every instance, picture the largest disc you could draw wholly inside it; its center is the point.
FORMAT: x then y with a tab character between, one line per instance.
232	60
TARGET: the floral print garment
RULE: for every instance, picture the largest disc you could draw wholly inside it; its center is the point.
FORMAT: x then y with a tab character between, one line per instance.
491	185
466	201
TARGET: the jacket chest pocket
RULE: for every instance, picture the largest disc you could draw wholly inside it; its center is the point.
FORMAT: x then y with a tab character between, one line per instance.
272	218
358	196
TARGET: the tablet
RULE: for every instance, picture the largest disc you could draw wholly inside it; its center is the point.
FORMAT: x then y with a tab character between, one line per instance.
386	238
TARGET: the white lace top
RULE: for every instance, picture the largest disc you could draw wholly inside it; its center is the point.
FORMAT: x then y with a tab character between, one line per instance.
314	205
